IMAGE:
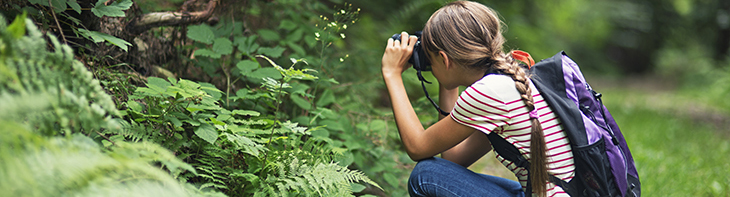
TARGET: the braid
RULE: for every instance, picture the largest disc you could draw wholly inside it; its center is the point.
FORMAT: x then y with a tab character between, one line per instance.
538	165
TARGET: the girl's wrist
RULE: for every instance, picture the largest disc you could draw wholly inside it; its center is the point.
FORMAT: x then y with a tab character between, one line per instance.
387	74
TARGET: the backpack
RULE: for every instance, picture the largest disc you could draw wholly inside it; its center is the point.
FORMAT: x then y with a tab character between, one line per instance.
603	162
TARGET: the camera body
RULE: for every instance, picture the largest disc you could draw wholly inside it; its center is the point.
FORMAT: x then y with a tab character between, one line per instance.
418	59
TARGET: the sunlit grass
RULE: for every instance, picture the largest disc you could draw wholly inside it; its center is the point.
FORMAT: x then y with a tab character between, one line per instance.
676	154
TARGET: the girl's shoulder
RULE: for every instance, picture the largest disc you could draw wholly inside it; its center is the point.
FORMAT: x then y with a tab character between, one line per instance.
497	86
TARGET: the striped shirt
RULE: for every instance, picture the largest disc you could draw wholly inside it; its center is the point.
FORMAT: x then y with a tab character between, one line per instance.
493	104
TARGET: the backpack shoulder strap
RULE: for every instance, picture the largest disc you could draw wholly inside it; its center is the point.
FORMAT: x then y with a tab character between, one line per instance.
548	77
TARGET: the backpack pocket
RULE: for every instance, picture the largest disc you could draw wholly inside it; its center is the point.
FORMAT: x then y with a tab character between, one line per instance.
593	171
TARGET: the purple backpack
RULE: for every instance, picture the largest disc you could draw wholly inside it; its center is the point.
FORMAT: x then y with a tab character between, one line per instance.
603	162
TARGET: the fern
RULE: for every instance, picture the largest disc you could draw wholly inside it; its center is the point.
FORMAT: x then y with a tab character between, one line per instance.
47	91
80	103
318	179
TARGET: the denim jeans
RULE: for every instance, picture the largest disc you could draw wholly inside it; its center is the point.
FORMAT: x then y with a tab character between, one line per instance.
440	177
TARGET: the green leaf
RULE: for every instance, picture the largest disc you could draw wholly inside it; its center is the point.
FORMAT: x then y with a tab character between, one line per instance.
266	72
59	5
295	36
17	28
296	48
272	52
304	104
287	24
207	133
246	112
116	9
246	44
74	5
134	106
269	35
211	90
158	82
207	53
357	187
201	33
101	37
326	98
246	66
391	179
174	121
223	46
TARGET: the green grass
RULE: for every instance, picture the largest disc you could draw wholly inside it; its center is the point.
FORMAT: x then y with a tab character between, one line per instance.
676	153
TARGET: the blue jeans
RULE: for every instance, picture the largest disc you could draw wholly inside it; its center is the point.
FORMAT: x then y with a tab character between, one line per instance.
440	177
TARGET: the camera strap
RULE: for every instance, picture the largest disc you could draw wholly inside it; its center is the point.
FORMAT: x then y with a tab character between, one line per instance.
420	78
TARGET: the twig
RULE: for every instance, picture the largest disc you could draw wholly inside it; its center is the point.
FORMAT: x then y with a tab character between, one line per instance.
107	139
60	31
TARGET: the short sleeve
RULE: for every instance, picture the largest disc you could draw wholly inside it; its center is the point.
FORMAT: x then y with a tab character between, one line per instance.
480	106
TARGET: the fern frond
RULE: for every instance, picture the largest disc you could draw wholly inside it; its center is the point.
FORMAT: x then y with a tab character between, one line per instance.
315	179
78	103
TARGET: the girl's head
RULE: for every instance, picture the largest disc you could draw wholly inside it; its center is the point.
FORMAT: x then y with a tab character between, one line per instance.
470	36
469	33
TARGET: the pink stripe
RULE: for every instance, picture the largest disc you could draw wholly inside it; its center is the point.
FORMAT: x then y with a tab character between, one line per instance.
480	109
489	97
550	127
551	141
525	120
487	117
518	107
516	136
558	192
555	147
518	100
558	161
561	167
483	103
551	119
562	173
466	123
560	153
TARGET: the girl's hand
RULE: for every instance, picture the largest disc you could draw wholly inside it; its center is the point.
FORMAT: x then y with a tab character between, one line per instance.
397	53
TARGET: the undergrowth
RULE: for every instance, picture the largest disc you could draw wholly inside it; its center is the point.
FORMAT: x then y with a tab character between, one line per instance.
173	137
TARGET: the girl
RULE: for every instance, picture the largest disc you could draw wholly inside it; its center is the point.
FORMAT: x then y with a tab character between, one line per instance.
464	41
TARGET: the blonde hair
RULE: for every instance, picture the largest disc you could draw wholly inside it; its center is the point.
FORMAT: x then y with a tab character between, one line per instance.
471	35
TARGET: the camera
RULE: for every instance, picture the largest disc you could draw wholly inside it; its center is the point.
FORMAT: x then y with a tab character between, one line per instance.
418	59
421	63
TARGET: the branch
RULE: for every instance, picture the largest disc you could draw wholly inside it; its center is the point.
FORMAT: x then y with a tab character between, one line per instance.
158	19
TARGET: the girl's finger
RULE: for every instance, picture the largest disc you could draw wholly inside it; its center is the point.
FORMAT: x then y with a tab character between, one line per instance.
404	37
412	40
390	42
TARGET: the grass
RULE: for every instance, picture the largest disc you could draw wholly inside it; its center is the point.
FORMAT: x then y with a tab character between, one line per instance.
677	149
676	152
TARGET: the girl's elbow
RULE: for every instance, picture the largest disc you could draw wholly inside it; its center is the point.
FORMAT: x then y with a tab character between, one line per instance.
417	155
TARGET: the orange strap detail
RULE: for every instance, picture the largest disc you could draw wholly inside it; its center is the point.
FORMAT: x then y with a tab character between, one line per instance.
523	57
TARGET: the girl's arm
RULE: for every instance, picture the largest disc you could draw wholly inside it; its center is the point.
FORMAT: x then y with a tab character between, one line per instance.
472	148
420	143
